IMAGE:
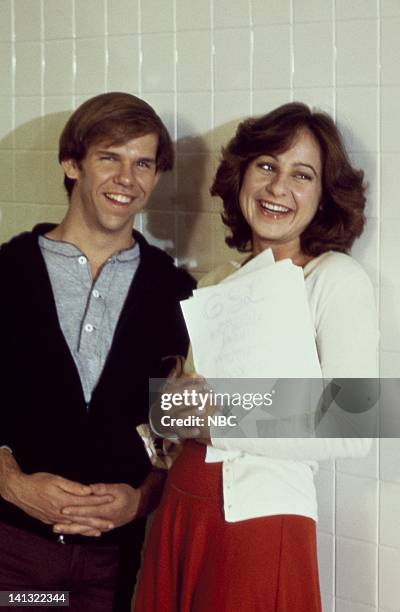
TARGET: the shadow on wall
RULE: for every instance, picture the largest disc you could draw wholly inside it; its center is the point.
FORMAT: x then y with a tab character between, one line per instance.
181	216
31	180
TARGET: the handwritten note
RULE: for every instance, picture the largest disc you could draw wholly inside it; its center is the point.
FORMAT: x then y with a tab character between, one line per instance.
258	325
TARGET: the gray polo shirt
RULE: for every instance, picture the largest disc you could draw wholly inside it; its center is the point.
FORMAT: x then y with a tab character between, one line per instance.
88	310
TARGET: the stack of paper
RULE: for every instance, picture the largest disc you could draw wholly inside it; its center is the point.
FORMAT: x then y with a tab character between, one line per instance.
254	324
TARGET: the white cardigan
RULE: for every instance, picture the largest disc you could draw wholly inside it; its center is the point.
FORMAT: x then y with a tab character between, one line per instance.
263	477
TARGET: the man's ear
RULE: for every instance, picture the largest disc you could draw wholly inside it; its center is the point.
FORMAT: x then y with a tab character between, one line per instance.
157	177
71	168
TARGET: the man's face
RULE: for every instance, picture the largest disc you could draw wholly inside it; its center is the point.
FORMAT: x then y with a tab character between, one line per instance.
113	183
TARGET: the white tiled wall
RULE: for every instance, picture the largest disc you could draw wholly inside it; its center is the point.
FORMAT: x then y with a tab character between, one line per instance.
204	64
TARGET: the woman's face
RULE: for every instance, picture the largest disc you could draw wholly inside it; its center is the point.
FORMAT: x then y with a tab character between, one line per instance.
280	195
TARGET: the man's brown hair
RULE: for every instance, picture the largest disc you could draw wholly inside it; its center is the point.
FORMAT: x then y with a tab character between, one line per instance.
114	117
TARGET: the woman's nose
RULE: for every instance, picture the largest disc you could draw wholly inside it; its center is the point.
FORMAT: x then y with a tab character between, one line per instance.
277	184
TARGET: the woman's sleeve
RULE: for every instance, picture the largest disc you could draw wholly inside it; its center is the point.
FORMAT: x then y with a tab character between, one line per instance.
347	341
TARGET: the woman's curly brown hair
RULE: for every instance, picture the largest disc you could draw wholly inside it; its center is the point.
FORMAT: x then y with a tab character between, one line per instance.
340	217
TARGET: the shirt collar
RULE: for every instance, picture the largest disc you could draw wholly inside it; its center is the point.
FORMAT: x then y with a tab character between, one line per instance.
67	249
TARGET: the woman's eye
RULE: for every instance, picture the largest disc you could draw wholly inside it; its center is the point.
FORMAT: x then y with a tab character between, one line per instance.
265	166
303	176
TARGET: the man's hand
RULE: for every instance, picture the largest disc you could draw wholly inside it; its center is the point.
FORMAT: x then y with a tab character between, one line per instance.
127	504
43	495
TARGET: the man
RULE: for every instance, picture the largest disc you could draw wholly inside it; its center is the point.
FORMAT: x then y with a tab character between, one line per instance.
88	312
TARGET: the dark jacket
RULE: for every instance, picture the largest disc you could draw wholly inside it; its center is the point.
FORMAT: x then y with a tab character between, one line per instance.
43	414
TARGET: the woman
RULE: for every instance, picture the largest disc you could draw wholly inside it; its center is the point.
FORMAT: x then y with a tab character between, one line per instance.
238	533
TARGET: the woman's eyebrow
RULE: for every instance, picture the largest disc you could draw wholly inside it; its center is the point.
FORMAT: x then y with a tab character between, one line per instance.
307	166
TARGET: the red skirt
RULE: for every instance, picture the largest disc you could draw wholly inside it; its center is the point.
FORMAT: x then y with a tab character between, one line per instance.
195	561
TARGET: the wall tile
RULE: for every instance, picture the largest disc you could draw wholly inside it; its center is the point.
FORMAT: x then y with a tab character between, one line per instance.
356	507
390	251
389	516
390	119
390	51
193	247
58	67
28	73
28	24
123	16
357	109
326	562
265	100
390	365
57	19
194	121
6	74
313	10
389	584
164	105
232	59
390	453
267	12
313	69
6	176
390	318
157	16
369	163
325	485
57	110
229	108
123	63
16	218
6	133
89	18
390	206
158	68
54	192
273	41
228	14
355	9
29	176
194	177
5	21
389	8
190	16
350	606
322	98
160	229
357	40
366	250
90	66
361	466
194	69
356	571
28	122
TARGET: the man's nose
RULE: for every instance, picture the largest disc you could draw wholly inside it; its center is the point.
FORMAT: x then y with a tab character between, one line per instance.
125	175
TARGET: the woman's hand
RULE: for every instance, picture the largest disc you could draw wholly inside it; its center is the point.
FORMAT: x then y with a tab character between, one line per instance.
183	409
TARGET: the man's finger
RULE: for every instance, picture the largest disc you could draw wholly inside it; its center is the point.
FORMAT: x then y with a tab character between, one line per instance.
76	529
75	488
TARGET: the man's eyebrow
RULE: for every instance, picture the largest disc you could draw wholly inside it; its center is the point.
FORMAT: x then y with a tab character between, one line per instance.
307	166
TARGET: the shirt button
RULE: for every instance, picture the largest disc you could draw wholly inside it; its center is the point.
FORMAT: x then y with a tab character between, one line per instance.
89	328
82	260
95	293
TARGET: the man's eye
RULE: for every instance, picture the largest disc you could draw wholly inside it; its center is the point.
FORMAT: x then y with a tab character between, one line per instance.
107	157
146	164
